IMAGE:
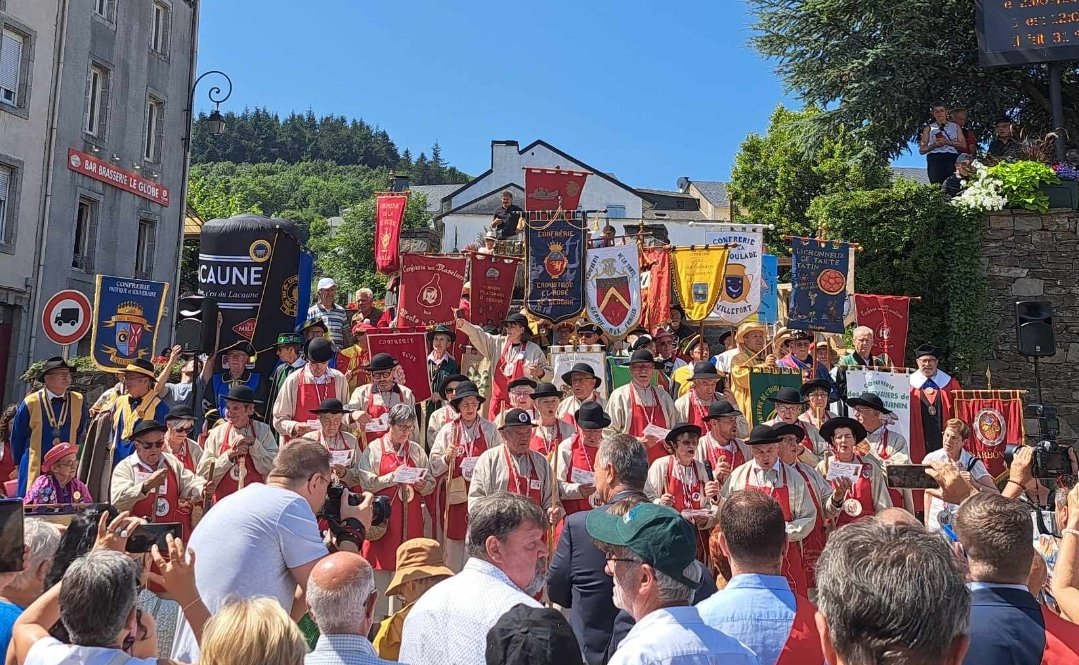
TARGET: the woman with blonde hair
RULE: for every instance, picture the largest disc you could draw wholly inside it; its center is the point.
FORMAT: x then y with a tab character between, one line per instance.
256	630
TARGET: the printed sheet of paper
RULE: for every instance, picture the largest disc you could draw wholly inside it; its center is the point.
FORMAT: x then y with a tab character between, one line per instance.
406	475
582	477
838	470
468	465
656	431
341	457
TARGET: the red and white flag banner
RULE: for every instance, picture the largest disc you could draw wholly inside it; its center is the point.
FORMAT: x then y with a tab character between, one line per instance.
409	347
493	278
888	316
389	215
551	189
995	418
430	289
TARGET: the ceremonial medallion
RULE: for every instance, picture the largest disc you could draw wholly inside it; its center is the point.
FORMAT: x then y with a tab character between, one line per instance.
932	410
593	500
76	496
161	506
944	518
234	472
407	493
852	507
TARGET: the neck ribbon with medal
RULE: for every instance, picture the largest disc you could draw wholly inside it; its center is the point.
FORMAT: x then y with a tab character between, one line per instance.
55	423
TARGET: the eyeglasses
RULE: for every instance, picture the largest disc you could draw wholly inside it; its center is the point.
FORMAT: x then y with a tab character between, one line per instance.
69	464
610	558
323	478
147	445
183	428
405	428
382	375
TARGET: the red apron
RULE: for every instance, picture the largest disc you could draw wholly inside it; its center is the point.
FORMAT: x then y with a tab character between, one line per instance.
582	457
230	482
806	441
688	497
863	493
309	396
541	444
377	410
813	544
382	553
641	416
883	454
803	641
163	505
529	486
187	460
698	412
458	522
793	569
501	378
715	453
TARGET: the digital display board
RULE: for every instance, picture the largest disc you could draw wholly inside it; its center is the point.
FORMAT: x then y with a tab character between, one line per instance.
1018	32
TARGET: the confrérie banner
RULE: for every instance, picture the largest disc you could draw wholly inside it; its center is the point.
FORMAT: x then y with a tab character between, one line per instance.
410	350
612	293
127	315
551	189
389	214
554	252
888	317
492	280
430	289
740	296
819	271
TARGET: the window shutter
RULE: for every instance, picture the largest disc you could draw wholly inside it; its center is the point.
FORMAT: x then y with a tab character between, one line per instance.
151	242
10	63
5	185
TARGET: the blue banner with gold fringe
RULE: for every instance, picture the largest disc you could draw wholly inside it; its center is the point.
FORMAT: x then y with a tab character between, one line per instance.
127	315
818	284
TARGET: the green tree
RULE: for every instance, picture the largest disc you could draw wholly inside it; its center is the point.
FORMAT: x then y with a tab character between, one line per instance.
347	253
877	65
776	178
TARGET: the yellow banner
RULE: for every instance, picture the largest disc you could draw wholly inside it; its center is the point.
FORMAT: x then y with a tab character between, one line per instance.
698	277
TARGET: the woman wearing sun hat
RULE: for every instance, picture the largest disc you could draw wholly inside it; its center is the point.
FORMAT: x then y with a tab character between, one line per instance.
420	566
57	482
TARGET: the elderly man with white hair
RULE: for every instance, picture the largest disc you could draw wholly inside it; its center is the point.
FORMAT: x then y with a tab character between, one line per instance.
333	315
366	312
341	596
862	356
41	539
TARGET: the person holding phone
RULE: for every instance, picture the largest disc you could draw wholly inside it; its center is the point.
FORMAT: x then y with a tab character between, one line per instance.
58	483
941	142
150	483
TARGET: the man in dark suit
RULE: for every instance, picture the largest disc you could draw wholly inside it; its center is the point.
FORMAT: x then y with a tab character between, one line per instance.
576	579
1007	625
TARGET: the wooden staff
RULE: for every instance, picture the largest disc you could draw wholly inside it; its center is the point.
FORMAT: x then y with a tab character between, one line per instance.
199	509
556	500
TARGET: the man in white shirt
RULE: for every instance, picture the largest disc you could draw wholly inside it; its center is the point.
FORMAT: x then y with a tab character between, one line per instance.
449	624
937	512
650	555
264	539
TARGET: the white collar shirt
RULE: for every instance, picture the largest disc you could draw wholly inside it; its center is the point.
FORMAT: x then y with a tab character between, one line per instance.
678	636
449	624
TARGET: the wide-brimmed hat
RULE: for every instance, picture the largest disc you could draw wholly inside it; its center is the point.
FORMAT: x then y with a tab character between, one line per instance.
588	327
870	401
331	405
287	338
788	429
673	434
490	234
319	350
523	381
929	350
466	389
642	341
380	362
242	346
140	366
592	416
786	395
802	336
747	328
721	408
516	317
642	356
722	339
704	371
827	430
241	393
180	412
57	453
442	329
56	362
762	435
816	384
147	426
546	389
312	322
688	343
418	559
445	384
581	368
517	418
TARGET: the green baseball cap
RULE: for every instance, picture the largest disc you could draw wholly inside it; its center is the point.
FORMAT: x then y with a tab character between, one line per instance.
657	534
290	338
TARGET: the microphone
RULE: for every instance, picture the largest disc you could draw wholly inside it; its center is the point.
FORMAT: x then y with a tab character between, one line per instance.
708	471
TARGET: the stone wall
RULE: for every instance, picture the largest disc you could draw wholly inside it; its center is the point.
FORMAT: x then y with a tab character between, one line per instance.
1031	256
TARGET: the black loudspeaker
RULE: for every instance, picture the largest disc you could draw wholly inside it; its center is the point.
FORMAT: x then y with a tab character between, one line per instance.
196	326
1034	328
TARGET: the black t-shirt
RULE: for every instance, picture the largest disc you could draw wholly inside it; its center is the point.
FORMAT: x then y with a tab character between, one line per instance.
511	218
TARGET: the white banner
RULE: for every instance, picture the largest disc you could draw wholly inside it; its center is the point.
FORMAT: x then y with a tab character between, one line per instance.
612	290
563	361
893	388
741	294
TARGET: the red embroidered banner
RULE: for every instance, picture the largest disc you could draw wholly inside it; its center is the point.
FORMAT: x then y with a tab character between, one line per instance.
389	213
888	317
409	347
430	289
656	287
493	278
551	189
995	418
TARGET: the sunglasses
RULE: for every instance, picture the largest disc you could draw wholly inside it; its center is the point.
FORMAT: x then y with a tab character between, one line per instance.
185	428
147	445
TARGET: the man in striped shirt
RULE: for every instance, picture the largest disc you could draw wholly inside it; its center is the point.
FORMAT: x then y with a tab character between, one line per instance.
333	315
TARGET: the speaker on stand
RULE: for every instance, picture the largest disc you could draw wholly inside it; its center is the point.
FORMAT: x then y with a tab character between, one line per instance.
1034	334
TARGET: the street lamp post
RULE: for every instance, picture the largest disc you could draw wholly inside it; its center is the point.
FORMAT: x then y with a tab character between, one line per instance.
215	123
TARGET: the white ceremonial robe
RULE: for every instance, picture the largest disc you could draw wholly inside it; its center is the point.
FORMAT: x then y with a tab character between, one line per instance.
803	512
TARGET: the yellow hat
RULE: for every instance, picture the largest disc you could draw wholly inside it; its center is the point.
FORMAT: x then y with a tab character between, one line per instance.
417	559
747	328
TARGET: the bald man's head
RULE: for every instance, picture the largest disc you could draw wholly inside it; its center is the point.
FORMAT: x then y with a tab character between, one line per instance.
341	594
896	516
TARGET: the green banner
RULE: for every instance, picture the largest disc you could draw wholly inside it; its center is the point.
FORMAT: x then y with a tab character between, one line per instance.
765	382
620	373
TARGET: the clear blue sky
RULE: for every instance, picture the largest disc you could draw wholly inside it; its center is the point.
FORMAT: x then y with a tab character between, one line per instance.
647	90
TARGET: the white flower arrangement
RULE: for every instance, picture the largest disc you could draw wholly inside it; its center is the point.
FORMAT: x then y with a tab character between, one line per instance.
983	191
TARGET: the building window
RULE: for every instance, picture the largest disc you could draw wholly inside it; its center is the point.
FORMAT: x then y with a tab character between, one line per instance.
85	235
101	8
12	55
159	28
7	181
97	101
144	249
155	115
616	212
